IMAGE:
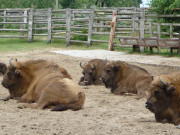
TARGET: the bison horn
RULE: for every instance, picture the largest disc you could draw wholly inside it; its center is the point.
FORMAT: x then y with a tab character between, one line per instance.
80	65
94	67
163	82
11	63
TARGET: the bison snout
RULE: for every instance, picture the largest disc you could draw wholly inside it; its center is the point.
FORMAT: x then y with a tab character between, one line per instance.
86	82
4	84
149	106
102	79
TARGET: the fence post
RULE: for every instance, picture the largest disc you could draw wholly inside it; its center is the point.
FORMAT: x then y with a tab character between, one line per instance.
171	30
91	19
49	25
113	25
68	26
4	19
159	35
30	29
142	27
134	22
24	19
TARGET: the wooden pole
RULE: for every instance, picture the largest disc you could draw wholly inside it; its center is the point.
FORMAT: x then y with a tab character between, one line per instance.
49	25
91	20
68	26
142	27
159	35
4	19
179	44
30	29
113	25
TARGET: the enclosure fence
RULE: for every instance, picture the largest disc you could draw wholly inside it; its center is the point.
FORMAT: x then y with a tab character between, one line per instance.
117	27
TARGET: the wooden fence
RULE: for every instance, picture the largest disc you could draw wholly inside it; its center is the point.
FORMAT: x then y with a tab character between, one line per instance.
120	26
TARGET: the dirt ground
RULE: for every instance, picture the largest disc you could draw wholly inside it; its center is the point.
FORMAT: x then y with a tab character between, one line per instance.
103	113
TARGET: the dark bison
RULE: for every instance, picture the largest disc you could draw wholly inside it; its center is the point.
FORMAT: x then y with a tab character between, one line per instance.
42	83
92	71
164	98
124	78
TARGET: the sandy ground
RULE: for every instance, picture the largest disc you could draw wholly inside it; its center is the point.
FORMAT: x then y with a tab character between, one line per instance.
103	113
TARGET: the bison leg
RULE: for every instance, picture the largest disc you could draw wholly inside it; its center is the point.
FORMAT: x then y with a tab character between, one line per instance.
6	99
28	105
120	91
98	81
25	99
142	89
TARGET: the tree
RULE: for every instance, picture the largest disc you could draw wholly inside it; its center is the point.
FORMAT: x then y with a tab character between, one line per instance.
165	6
118	3
27	3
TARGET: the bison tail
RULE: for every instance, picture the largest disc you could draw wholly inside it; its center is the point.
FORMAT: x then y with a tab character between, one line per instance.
76	105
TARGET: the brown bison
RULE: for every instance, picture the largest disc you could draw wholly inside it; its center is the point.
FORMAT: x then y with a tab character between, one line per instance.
40	83
124	78
164	98
92	72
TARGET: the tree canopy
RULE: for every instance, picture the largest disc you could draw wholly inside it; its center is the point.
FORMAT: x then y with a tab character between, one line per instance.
165	6
68	3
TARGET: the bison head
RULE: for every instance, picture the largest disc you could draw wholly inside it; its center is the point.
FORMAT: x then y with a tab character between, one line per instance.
108	74
88	72
160	98
3	68
11	75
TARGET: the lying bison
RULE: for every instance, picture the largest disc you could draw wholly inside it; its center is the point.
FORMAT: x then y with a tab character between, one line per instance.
42	83
92	72
124	78
164	98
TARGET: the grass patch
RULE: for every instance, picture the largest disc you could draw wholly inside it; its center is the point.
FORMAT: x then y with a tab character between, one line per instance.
39	43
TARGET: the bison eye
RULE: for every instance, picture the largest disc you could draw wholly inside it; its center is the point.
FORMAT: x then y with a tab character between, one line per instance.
157	92
108	71
9	74
83	73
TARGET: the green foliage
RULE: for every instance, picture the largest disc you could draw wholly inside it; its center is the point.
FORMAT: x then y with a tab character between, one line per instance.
74	4
166	6
27	3
99	3
118	3
79	37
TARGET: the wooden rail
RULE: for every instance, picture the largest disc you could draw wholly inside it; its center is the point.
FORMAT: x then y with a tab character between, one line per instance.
90	25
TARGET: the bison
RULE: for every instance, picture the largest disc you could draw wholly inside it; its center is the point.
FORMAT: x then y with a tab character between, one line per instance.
124	78
40	83
164	98
92	72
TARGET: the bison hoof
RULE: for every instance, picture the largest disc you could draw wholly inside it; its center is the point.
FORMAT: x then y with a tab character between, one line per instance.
178	126
82	83
21	106
5	99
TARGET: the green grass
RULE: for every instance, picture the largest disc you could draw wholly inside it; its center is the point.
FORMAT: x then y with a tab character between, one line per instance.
39	43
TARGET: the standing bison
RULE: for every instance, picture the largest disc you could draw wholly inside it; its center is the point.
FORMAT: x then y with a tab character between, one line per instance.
92	71
164	98
124	78
42	83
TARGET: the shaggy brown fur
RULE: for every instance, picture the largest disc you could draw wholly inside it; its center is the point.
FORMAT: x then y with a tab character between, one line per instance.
164	98
92	71
124	78
44	83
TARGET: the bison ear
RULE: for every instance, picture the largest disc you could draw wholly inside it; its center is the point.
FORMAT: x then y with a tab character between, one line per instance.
3	68
116	67
94	67
170	89
17	73
152	78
